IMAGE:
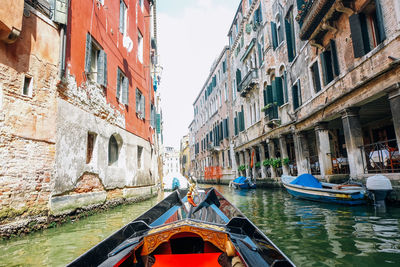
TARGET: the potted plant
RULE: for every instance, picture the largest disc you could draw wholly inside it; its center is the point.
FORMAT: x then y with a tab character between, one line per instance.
285	161
276	163
258	164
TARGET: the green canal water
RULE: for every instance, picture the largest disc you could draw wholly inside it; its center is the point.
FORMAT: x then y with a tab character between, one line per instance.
311	234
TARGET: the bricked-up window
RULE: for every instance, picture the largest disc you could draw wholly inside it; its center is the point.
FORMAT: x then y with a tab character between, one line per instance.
27	86
367	28
122	16
290	35
91	140
140	157
140	46
95	61
315	77
140	104
329	63
296	95
113	150
122	93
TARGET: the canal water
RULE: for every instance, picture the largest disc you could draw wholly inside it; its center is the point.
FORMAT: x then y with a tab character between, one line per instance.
311	234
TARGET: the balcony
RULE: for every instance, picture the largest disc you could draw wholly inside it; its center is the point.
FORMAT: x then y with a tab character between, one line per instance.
315	17
248	83
213	148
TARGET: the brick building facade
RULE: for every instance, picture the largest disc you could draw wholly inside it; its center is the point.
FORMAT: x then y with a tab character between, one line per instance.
324	76
78	106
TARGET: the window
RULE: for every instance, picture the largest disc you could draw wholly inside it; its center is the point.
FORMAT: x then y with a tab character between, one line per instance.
141	4
290	36
329	62
95	61
122	16
234	89
139	157
122	93
140	46
113	149
27	86
91	139
315	77
257	19
296	95
152	116
367	28
226	92
224	66
140	104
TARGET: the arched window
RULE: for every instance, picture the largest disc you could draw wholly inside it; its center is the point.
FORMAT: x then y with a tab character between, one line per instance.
113	150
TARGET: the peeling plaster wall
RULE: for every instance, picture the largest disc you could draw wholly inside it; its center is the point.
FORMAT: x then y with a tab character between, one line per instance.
73	125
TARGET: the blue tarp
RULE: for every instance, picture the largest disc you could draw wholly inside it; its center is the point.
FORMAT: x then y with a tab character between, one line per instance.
175	183
307	180
240	180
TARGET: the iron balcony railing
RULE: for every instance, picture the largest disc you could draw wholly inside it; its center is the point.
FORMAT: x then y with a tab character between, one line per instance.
381	157
248	82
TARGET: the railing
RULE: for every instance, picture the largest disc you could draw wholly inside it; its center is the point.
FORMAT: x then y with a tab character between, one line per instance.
248	82
212	172
212	147
272	112
303	10
381	157
42	6
314	165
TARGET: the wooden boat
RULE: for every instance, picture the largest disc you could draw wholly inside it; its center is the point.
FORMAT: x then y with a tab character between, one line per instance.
243	183
308	187
212	232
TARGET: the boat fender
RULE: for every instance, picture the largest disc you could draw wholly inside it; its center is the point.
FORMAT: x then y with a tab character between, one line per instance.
229	248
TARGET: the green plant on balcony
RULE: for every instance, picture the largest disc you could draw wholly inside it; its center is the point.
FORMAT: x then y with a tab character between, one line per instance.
258	164
276	163
303	10
268	106
267	162
285	161
242	168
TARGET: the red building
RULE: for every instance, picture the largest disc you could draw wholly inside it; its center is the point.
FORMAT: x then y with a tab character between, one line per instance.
109	41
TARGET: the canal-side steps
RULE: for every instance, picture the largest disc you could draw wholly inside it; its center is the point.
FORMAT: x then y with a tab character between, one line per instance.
72	207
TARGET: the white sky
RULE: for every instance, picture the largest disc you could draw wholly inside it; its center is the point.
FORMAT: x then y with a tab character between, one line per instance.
191	34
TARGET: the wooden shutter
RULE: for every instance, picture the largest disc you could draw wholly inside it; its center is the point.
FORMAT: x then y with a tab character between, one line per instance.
221	132
380	21
158	123
289	41
238	78
227	127
260	54
88	52
138	94
299	4
125	91
102	68
279	90
236	125
143	105
295	96
118	93
316	79
357	28
336	69
326	62
274	91
274	35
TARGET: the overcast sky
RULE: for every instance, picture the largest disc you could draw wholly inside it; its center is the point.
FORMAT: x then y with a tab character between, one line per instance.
191	34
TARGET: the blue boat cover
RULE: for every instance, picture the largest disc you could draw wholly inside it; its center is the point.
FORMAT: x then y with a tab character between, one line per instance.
240	180
175	183
307	180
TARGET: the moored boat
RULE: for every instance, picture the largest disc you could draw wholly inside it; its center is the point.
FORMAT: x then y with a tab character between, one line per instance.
200	230
243	183
308	187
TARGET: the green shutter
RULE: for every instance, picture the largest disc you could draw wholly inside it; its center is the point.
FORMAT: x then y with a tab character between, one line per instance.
359	34
326	63
316	79
274	35
334	56
269	94
125	91
289	41
137	100
143	104
88	52
380	21
102	68
299	4
121	15
279	90
158	123
238	78
118	93
236	125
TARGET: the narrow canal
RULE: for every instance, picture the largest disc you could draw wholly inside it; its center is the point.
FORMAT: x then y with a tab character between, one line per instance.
311	234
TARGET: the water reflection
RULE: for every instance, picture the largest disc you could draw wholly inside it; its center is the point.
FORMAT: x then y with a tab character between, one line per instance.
318	234
310	233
